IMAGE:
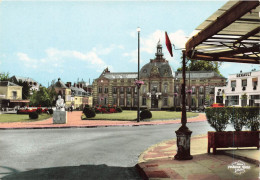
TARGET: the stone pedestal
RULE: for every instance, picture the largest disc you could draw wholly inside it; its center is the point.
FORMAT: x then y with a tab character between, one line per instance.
59	117
183	144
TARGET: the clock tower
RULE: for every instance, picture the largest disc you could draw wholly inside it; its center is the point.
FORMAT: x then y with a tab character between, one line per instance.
159	54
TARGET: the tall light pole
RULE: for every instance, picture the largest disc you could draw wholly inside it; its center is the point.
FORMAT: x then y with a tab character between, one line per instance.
138	76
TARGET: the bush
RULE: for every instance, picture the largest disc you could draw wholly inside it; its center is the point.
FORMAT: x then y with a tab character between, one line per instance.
85	109
146	114
119	109
253	118
237	117
172	108
33	115
89	113
50	111
178	108
39	110
218	118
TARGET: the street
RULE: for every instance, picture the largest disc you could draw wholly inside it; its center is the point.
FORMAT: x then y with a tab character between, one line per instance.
81	153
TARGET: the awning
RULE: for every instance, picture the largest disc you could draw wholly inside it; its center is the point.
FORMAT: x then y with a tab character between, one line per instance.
231	34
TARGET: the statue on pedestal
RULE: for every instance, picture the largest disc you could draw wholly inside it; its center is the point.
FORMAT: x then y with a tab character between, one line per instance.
60	106
60	115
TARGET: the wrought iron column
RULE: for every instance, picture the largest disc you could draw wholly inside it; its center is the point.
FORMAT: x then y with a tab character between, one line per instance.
183	133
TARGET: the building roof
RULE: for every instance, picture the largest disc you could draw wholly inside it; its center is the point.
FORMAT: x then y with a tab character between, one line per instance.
163	69
7	83
26	79
199	75
120	75
77	89
231	34
60	84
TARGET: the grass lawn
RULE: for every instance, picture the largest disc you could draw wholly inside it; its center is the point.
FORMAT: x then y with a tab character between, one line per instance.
21	117
132	115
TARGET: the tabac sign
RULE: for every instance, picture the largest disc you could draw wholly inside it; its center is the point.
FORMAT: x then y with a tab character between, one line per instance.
244	74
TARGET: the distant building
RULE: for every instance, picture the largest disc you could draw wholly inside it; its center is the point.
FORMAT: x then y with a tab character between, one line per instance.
11	95
34	85
202	85
63	90
242	89
79	97
161	88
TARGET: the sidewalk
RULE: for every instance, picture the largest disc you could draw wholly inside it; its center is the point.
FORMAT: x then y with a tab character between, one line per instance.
157	162
74	121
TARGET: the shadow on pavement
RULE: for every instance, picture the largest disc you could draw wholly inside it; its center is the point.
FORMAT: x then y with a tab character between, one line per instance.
97	172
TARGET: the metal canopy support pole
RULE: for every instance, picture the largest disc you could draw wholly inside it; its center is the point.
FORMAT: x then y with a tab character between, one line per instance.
183	133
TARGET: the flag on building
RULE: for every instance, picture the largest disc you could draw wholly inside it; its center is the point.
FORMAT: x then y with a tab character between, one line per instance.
168	43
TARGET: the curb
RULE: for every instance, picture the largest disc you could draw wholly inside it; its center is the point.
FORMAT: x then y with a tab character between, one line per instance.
95	126
141	172
246	159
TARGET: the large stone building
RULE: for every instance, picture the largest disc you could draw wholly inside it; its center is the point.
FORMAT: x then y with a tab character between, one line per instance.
161	88
200	88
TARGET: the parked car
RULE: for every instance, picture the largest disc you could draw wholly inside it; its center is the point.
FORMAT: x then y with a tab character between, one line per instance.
217	105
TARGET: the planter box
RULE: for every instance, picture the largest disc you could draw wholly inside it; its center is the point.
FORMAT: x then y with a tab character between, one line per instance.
232	139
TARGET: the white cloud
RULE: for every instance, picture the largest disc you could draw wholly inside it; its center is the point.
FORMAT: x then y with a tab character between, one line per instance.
28	62
56	59
148	44
178	38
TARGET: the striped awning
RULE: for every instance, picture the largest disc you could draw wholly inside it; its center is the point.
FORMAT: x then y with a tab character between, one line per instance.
231	34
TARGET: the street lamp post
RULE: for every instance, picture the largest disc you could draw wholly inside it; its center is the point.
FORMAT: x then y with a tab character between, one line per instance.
183	133
138	76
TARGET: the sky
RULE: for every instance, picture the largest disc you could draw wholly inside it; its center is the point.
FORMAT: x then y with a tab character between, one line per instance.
75	40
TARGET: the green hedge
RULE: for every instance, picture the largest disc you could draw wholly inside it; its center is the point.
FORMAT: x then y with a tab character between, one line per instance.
239	117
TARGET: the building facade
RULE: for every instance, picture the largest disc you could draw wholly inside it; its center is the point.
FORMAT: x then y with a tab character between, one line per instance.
161	88
11	95
242	89
200	88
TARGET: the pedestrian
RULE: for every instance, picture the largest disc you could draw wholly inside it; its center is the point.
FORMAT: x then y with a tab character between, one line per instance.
71	108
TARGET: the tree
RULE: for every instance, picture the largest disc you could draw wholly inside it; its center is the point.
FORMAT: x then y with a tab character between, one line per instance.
4	77
199	65
43	97
25	90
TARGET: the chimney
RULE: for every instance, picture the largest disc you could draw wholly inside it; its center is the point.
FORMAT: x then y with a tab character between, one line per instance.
68	84
77	85
74	84
81	85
